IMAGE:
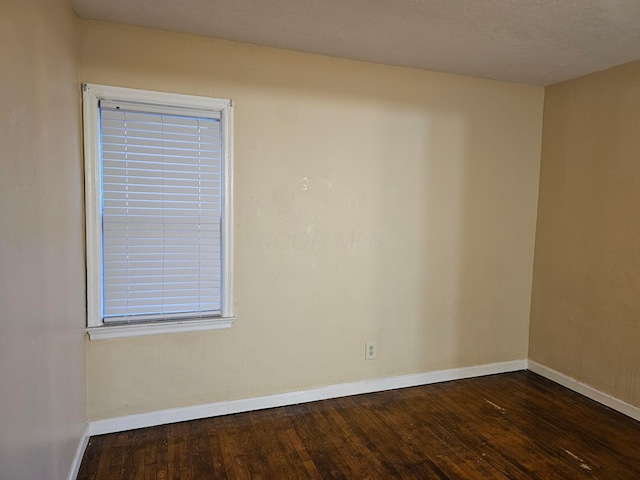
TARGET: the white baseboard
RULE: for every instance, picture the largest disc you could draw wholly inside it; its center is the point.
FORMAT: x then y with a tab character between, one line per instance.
584	389
77	458
172	415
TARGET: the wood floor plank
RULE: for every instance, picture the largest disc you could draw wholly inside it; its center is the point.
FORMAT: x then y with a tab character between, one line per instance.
219	470
382	441
162	457
511	426
197	445
92	457
554	431
307	462
173	456
234	460
319	443
539	461
273	448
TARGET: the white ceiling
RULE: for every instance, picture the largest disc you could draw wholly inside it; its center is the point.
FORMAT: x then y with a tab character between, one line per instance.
538	42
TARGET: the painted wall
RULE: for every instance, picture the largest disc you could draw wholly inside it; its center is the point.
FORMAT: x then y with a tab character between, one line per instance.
585	316
42	282
371	203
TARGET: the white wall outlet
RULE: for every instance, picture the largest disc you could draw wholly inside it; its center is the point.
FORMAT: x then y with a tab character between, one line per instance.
371	350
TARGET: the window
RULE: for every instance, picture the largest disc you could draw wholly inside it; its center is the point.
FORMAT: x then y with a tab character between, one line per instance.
158	179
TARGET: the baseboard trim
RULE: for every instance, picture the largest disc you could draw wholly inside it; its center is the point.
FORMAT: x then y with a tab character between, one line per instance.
173	415
584	389
77	458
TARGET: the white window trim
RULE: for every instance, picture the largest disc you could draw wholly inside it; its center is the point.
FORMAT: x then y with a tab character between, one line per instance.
92	94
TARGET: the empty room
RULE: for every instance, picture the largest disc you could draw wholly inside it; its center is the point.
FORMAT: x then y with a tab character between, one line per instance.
358	239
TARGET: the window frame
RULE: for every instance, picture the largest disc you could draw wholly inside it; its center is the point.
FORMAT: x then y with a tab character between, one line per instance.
92	95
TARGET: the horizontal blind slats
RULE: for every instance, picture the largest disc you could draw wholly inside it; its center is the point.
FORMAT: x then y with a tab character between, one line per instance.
162	210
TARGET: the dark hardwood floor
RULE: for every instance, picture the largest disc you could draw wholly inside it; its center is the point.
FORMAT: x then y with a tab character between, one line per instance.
509	426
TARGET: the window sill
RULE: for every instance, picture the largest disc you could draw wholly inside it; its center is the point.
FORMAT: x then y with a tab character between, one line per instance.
136	330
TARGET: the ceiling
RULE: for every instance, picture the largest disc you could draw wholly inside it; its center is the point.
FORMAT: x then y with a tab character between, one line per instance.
538	42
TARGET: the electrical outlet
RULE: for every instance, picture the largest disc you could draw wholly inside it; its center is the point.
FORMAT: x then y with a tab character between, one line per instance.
371	351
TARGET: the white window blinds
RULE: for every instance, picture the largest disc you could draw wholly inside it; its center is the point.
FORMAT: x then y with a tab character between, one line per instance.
161	212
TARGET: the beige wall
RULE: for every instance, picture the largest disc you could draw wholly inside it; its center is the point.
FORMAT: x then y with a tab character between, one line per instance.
585	317
371	202
42	299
